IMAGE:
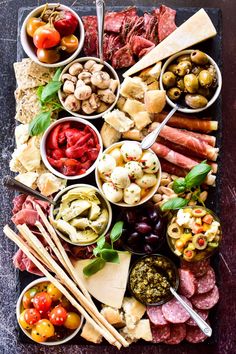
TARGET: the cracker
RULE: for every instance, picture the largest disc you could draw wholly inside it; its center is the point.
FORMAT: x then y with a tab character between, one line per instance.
27	106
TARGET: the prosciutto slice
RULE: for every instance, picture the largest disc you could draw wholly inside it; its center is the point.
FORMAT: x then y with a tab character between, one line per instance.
172	169
22	262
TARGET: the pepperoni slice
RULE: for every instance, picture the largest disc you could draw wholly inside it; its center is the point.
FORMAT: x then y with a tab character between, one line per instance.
206	301
160	334
156	316
177	333
206	282
202	313
174	312
195	335
187	283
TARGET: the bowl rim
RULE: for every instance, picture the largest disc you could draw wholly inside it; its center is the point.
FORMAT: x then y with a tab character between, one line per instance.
43	147
115	76
176	285
25	40
65	190
217	91
18	312
153	189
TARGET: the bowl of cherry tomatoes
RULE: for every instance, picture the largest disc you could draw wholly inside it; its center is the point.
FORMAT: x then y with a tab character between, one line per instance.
52	35
45	315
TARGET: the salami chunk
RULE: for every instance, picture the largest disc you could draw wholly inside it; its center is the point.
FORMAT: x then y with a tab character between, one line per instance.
174	312
202	313
197	268
138	44
123	58
195	335
206	282
114	20
156	316
187	283
166	22
206	301
160	334
177	333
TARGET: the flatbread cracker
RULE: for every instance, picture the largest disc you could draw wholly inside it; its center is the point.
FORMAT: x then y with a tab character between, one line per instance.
27	105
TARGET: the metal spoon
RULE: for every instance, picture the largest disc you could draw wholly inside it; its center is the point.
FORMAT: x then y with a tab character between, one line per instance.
205	328
150	139
100	9
12	183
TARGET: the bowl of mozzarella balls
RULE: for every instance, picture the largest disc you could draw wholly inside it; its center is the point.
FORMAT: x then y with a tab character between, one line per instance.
127	175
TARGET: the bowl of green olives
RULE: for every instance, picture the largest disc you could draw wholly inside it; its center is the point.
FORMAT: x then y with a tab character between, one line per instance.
192	79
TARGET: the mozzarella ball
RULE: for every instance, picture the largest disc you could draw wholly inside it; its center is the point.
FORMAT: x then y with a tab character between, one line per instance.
146	181
117	156
131	151
106	165
132	194
150	162
115	195
134	169
120	177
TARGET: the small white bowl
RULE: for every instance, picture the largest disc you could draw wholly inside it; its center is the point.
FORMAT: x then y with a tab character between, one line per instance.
59	195
18	312
152	190
27	42
110	71
214	97
43	147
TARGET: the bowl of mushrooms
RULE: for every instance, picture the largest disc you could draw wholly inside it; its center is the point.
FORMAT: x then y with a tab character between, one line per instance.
90	88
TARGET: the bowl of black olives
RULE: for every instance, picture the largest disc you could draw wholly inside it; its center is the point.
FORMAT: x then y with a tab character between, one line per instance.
144	229
192	79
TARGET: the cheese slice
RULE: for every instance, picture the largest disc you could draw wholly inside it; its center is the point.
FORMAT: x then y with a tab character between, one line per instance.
109	284
196	29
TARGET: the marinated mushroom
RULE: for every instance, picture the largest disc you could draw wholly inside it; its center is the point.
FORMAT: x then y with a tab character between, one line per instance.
96	67
113	85
68	77
85	76
101	79
75	69
80	83
68	86
71	103
106	96
83	92
102	108
89	64
87	107
94	101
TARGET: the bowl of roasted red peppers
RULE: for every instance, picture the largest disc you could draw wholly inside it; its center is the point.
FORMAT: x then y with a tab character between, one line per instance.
70	147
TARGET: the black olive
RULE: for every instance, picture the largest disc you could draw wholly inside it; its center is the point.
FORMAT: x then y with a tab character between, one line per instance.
131	216
148	249
152	239
143	228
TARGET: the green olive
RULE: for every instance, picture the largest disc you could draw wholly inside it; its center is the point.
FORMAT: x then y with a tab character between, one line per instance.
196	70
172	68
195	100
180	85
174	93
199	57
169	79
183	57
212	71
204	91
205	78
183	68
191	83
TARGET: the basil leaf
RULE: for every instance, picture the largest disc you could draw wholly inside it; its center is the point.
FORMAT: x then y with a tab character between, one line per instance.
116	231
50	90
197	175
174	204
57	74
40	123
94	266
110	255
179	185
39	92
101	242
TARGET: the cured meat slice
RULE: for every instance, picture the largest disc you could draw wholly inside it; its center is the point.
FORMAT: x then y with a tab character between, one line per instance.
209	139
123	58
136	29
25	216
195	335
114	20
174	312
166	22
138	44
202	313
197	268
156	316
168	167
177	333
206	301
22	262
151	27
90	22
111	44
144	51
91	43
127	25
187	283
160	334
206	282
18	202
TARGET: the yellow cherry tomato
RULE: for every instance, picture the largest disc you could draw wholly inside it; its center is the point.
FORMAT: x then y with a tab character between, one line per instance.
43	286
54	293
36	336
72	321
69	43
23	322
65	303
45	328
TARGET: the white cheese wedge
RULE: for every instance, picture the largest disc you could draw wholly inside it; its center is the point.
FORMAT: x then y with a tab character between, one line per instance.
196	29
109	284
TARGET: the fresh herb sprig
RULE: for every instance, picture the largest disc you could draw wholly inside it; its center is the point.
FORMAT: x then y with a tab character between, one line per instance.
104	252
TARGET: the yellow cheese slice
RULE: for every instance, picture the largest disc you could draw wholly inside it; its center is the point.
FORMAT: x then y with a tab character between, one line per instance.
109	284
196	29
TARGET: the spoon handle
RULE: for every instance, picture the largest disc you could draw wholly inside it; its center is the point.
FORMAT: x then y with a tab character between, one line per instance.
100	8
205	328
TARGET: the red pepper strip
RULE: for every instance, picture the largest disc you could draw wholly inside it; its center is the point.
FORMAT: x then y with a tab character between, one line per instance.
57	154
91	143
58	164
65	126
76	152
52	140
82	140
93	133
72	136
84	158
93	154
71	167
61	138
86	165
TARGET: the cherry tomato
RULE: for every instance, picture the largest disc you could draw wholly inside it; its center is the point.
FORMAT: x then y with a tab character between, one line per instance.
23	322
54	293
43	286
42	302
72	321
69	43
27	298
48	56
33	24
45	328
32	316
36	336
58	315
65	303
46	37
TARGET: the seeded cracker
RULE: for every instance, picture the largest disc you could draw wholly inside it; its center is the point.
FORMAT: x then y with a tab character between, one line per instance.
27	105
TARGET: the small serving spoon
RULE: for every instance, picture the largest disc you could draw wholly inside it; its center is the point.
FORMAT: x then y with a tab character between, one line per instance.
150	139
100	9
12	183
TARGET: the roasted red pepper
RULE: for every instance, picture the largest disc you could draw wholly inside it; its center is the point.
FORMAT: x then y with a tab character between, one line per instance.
52	141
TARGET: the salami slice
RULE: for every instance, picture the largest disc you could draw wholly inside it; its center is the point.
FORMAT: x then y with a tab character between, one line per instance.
195	335
166	22
202	313
174	312
138	43
123	58
206	301
206	282
114	20
160	334
197	268
177	333
187	283
156	316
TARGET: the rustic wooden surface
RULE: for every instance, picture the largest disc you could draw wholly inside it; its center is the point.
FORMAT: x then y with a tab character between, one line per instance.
9	343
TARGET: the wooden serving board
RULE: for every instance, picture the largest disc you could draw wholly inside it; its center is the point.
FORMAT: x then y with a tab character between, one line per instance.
213	47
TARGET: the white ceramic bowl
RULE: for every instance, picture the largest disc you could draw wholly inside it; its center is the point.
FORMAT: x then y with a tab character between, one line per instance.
27	42
43	147
18	312
110	71
123	204
214	97
59	195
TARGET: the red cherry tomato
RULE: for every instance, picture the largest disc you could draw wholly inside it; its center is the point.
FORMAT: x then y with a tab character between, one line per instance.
27	298
48	56
58	315
33	24
46	37
32	316
42	301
